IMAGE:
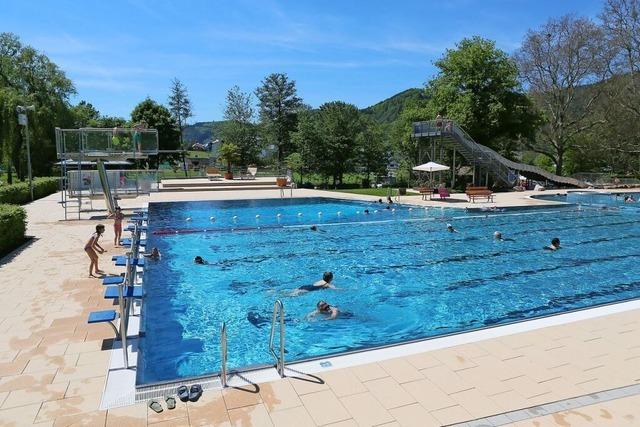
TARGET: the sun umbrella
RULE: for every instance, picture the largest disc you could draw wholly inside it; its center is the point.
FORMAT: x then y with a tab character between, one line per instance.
431	167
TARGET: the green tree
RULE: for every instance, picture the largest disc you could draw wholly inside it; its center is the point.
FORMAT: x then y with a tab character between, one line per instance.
372	149
28	77
336	152
85	115
478	87
229	153
279	104
563	63
180	105
305	141
158	117
239	129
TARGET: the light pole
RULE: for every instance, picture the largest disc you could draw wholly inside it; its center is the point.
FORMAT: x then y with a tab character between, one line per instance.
23	120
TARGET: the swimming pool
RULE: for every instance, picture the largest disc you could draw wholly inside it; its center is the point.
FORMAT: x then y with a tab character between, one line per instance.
595	198
401	275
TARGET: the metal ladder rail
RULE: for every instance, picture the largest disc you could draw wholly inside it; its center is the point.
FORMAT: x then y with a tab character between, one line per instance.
223	354
278	310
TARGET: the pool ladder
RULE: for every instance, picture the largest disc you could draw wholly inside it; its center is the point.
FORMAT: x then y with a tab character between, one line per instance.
223	354
278	315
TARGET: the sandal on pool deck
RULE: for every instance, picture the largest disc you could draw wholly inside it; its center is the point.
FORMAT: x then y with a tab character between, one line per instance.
195	392
156	406
171	402
183	393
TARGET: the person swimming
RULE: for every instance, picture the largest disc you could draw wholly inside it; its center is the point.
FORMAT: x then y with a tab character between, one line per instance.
366	211
325	283
155	254
497	235
554	246
323	308
629	199
315	228
450	229
199	260
379	200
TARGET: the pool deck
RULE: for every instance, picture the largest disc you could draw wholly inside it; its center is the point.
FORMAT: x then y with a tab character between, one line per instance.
53	365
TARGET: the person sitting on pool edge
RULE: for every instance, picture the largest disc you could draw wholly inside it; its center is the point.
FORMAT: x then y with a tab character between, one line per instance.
325	283
554	246
323	308
199	260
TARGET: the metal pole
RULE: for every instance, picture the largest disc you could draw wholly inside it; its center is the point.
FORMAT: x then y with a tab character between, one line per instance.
26	130
223	354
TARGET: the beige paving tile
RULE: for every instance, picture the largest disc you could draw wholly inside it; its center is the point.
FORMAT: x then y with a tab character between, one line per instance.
510	401
95	418
483	380
451	415
401	370
343	382
534	371
454	359
128	416
324	407
180	412
414	416
499	350
236	397
208	410
65	407
497	368
80	372
308	384
345	423
35	395
423	360
20	416
85	386
8	356
292	417
3	396
84	347
24	381
370	371
527	387
446	379
366	410
388	392
430	396
255	415
175	422
279	395
476	403
94	357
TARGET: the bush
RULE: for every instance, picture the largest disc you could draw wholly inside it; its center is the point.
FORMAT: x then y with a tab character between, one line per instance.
18	194
13	225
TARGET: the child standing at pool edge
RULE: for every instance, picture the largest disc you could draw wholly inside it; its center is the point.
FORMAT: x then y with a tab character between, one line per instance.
92	247
117	216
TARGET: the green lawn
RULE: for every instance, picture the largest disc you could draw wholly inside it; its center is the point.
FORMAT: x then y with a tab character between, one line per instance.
377	192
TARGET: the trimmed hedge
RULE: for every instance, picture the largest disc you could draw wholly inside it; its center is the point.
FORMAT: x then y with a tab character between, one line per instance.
18	194
13	225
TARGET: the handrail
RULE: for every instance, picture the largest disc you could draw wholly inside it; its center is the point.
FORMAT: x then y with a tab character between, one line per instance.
278	309
223	354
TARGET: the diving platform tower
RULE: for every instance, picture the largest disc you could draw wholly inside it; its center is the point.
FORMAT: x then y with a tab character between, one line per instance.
95	146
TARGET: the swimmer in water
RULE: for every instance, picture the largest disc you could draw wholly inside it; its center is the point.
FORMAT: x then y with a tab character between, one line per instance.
366	211
379	200
315	228
155	254
325	283
389	200
554	246
450	229
498	236
199	260
325	309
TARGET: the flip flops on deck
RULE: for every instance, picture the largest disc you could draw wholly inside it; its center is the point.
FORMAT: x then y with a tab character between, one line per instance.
171	402
156	406
195	392
183	393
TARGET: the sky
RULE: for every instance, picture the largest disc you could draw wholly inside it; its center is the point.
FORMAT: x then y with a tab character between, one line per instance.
361	52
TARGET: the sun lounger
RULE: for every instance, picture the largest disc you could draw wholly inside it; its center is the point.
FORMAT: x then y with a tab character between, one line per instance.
128	292
251	173
213	173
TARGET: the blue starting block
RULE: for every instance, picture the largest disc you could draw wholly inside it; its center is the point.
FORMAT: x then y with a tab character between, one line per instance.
131	227
121	261
134	292
112	280
104	316
127	242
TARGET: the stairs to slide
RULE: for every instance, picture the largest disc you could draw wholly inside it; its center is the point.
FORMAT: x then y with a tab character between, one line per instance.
504	170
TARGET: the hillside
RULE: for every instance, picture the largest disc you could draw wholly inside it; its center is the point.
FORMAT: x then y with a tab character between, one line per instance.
383	112
202	132
387	111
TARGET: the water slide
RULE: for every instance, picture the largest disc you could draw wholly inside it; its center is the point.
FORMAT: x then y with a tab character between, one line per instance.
505	170
106	189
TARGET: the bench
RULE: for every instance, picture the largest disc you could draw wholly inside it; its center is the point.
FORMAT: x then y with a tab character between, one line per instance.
213	173
483	192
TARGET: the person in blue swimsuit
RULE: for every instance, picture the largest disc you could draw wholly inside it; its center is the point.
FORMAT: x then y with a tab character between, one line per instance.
325	283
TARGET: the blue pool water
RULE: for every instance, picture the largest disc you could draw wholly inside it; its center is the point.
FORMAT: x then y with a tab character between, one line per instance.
401	275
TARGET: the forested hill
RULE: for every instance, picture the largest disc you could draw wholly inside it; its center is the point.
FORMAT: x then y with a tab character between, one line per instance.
387	111
202	132
383	112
